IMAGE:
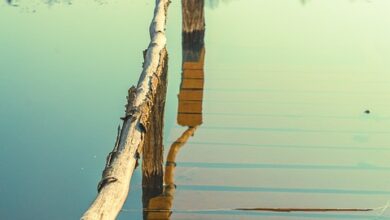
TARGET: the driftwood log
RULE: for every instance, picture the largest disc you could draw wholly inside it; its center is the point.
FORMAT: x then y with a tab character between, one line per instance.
121	162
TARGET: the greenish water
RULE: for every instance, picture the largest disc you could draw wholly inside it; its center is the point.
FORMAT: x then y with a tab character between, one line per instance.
65	70
286	88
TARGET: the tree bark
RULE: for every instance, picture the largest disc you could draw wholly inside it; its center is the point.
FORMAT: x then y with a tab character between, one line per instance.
121	162
153	155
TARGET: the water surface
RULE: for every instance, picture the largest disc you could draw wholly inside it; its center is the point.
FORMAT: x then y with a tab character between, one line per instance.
286	87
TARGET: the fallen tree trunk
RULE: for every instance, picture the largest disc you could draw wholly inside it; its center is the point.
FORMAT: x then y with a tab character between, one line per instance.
121	162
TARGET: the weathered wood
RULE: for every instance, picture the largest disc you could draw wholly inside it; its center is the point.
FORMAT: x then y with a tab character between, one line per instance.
152	155
121	162
192	15
189	110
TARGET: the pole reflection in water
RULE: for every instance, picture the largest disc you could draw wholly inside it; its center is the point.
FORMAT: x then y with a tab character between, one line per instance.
160	207
190	103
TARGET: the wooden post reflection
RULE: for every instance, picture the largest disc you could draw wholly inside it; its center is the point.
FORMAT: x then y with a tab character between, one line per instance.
190	102
160	207
191	88
152	152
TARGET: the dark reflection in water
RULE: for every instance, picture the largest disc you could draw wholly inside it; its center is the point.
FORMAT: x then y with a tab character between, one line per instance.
159	207
303	2
215	3
189	107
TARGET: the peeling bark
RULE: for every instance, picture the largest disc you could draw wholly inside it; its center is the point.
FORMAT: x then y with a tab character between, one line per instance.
121	162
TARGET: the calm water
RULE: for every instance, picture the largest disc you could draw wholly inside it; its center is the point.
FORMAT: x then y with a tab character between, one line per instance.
286	86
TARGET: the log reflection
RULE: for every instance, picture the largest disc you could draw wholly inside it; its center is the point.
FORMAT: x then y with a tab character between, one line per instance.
160	207
189	108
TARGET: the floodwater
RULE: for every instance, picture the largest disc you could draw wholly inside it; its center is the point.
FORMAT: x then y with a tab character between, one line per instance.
294	110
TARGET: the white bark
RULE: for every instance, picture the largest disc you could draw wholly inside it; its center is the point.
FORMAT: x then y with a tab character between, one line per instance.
115	183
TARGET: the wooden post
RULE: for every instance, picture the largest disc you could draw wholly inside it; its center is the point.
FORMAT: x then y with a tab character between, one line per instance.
152	155
114	185
190	103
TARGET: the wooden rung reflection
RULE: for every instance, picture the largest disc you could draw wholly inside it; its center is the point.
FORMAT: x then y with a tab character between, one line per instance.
190	107
189	119
192	84
191	95
193	74
191	90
